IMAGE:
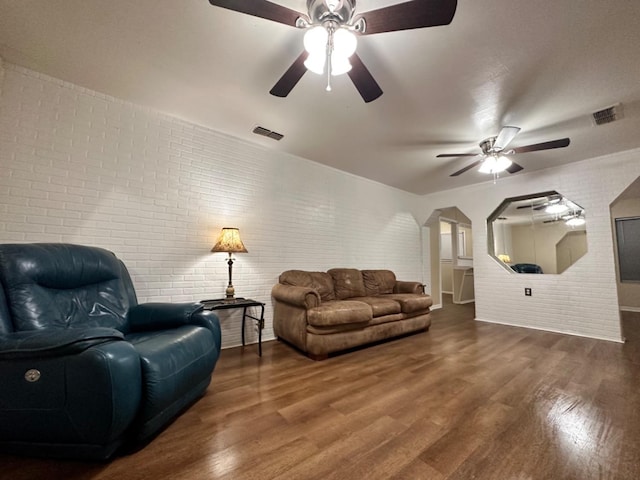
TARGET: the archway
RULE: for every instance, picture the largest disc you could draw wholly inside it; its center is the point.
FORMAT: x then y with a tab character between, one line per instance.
451	257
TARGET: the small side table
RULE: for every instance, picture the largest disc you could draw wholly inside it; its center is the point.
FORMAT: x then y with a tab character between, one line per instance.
244	303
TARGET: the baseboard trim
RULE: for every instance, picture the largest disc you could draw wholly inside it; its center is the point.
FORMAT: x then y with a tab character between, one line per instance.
629	309
607	339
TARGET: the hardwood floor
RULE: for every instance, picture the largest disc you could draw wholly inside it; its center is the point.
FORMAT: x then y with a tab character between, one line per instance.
467	400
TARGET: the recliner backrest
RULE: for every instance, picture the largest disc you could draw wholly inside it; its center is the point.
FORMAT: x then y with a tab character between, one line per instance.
55	285
5	318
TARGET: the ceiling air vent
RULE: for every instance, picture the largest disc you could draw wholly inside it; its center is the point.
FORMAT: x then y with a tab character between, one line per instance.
258	130
608	115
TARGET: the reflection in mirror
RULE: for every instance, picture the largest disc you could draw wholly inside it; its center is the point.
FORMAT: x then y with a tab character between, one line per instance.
539	233
465	241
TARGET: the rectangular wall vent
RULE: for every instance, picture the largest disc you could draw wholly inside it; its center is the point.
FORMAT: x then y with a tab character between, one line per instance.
258	130
608	115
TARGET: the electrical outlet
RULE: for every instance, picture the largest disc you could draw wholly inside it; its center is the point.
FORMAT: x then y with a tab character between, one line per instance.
527	292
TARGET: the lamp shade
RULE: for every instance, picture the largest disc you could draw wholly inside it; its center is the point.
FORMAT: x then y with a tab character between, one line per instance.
229	241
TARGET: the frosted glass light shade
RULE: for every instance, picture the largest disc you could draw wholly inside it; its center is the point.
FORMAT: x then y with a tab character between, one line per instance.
315	40
493	164
315	63
344	43
315	43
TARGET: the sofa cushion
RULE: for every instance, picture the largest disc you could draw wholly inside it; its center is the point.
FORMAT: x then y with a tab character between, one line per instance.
347	283
339	313
410	302
378	282
321	282
380	306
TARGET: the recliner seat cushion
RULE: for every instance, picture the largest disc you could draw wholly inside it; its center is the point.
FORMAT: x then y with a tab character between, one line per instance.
339	312
172	362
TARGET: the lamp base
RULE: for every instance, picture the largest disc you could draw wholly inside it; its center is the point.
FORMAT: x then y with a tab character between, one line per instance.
229	293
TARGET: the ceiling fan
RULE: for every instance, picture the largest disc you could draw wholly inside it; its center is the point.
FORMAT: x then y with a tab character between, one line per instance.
494	157
541	205
330	39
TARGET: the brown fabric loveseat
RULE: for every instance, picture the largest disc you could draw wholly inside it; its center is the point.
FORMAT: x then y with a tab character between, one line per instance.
321	313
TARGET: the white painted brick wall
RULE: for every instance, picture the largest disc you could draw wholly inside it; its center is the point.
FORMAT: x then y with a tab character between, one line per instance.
582	300
77	166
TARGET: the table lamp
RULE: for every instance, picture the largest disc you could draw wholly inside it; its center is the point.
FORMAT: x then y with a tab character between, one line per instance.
229	242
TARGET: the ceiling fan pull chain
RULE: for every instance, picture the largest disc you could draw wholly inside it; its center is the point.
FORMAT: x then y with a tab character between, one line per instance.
330	30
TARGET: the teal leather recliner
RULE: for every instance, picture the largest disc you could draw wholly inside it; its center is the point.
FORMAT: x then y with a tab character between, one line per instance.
84	368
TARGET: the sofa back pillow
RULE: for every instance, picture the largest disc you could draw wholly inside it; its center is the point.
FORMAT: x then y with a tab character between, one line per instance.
347	283
321	282
378	282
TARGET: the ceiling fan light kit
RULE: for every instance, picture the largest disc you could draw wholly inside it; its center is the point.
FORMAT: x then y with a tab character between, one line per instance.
495	164
331	47
330	41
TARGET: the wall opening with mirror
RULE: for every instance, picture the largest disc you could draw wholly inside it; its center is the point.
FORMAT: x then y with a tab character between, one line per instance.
538	233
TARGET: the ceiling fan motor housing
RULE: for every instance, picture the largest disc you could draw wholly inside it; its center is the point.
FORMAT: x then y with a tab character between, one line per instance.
487	145
320	11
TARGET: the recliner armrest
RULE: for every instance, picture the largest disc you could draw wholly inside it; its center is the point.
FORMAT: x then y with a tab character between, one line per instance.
53	342
156	316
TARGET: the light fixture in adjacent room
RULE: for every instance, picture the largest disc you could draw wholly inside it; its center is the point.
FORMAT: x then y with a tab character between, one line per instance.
229	242
556	208
575	222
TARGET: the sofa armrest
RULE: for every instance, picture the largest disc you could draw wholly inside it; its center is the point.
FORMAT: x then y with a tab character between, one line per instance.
408	287
52	342
159	316
303	297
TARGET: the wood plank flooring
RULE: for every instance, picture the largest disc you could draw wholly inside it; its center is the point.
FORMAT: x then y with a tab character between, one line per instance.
467	400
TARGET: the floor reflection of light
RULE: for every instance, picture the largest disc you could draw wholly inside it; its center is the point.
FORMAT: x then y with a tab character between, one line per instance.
572	421
577	431
223	462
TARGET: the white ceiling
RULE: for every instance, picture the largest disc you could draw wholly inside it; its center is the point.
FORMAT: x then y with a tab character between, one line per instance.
542	65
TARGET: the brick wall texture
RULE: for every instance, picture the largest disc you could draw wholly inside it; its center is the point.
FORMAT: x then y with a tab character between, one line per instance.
81	167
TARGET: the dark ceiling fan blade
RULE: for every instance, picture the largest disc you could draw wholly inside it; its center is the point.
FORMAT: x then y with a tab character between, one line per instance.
290	77
260	8
561	143
448	155
504	137
408	15
363	80
468	167
513	168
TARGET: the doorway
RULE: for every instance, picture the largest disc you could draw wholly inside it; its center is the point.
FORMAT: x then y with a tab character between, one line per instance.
625	218
451	257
